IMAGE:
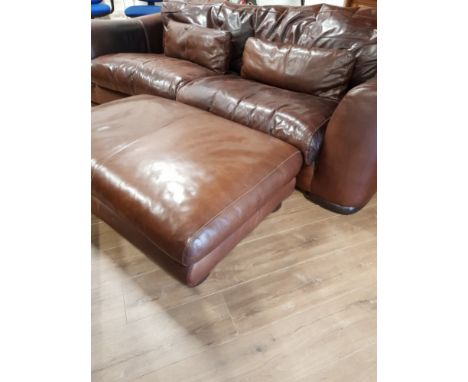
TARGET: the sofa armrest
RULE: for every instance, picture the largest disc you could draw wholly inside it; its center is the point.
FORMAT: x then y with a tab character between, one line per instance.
140	35
345	176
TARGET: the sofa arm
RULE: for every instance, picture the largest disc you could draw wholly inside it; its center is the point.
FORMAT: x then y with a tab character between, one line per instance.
140	35
345	176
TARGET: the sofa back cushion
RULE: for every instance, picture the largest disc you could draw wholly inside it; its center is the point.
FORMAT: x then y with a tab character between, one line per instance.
320	25
210	48
236	19
317	71
325	26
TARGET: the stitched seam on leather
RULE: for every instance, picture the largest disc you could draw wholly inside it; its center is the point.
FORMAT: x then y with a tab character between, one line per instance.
114	81
116	152
271	121
360	39
255	215
193	236
136	68
146	35
113	70
119	151
250	116
181	84
243	99
131	77
140	68
233	111
213	100
285	60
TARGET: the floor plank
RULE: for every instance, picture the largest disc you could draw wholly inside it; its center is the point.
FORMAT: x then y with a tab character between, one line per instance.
285	350
165	337
294	301
246	262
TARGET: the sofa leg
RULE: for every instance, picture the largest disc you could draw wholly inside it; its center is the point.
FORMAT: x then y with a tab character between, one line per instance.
277	207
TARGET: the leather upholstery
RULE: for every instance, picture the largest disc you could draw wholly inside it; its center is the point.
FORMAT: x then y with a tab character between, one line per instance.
142	35
325	26
102	95
318	71
293	117
143	73
184	186
210	48
196	273
349	28
346	169
107	36
236	19
321	25
154	30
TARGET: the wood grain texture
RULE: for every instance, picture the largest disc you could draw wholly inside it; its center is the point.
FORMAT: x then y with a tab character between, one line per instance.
361	3
294	301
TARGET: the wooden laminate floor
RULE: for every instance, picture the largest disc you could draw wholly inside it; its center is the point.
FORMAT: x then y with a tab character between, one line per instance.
294	301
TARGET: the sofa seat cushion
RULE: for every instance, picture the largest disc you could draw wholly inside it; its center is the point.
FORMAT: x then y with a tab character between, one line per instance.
296	118
182	183
145	73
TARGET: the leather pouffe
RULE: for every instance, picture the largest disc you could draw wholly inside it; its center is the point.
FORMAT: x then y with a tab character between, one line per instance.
183	185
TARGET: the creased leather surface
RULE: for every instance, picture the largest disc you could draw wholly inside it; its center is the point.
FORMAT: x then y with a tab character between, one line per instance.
210	48
236	19
346	170
144	73
239	21
321	25
185	186
334	27
296	118
318	71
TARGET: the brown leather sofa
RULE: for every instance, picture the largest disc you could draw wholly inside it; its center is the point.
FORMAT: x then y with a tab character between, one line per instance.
335	130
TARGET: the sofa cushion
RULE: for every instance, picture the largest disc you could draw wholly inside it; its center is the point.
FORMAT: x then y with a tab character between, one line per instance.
317	71
144	73
207	47
296	118
234	18
325	26
318	25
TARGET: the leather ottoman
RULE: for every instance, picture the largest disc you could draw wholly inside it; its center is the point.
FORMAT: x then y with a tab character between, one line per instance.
182	184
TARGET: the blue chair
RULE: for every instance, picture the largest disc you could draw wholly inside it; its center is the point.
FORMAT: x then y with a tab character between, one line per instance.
100	9
143	10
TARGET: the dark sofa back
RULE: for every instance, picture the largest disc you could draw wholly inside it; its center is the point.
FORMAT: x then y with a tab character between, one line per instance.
321	25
